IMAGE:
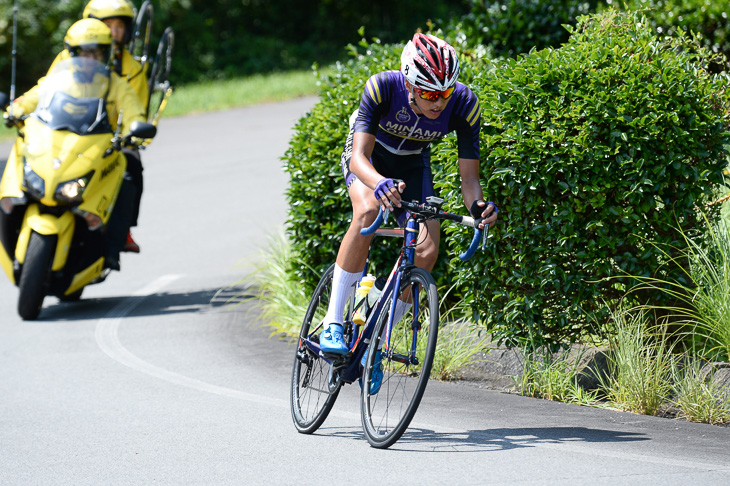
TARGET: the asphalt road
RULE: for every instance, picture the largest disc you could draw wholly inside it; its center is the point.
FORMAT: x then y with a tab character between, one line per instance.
153	379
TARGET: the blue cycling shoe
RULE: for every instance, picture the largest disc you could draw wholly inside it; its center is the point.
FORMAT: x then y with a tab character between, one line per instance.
377	377
332	341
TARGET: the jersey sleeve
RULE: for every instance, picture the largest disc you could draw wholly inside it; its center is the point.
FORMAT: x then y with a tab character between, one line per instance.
136	76
467	123
373	103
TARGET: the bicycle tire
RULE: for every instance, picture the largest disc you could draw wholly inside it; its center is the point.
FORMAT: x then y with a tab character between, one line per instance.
387	414
311	396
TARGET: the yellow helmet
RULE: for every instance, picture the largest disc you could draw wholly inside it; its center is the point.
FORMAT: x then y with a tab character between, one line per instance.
88	34
107	9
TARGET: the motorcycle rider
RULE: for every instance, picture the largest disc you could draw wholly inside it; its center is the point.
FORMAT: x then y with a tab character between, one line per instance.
93	38
119	16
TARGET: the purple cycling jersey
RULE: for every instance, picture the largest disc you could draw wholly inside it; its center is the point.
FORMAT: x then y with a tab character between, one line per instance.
385	112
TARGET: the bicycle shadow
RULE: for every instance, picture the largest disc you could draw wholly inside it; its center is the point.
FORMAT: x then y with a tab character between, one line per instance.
494	440
509	438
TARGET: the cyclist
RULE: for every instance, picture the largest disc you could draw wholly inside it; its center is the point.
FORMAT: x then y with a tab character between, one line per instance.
91	38
400	114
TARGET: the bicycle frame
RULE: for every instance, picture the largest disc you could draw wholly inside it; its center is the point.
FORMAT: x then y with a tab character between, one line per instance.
349	366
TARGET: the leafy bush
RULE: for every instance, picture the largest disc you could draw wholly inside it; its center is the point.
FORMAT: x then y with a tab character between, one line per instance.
591	150
319	207
667	17
513	27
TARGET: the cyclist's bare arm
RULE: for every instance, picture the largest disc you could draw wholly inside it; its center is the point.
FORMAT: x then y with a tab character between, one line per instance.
471	190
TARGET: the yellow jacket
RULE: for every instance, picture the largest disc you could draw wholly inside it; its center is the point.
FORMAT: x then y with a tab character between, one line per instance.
121	97
131	71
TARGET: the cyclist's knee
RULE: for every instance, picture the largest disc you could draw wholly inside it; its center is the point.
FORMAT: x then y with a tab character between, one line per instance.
426	256
363	216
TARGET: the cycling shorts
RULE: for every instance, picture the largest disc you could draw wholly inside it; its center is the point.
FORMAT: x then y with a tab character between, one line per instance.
414	169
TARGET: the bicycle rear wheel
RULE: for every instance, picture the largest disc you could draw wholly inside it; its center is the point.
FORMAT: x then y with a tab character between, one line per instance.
406	363
312	391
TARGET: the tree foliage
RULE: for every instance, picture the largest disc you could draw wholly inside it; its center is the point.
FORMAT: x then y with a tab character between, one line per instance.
225	38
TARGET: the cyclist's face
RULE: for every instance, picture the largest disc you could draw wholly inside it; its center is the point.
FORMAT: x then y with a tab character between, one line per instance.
118	29
429	109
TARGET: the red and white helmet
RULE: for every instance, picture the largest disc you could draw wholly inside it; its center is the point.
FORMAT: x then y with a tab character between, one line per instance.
429	63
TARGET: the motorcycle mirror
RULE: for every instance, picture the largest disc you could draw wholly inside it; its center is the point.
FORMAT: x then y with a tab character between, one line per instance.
4	100
142	130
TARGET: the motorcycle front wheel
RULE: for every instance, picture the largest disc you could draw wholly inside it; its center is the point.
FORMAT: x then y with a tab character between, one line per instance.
34	276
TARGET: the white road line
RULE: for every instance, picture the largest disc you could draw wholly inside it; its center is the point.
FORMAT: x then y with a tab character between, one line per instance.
107	338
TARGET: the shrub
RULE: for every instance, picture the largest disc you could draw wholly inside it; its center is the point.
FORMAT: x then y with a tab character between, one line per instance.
513	27
590	150
319	207
709	18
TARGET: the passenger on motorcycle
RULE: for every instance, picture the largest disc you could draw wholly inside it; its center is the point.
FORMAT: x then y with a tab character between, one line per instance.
400	114
119	16
92	38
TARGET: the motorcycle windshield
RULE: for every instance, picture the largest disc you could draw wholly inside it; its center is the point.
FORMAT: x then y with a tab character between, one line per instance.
73	97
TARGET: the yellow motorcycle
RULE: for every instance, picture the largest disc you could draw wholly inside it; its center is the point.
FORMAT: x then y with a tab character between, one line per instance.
60	187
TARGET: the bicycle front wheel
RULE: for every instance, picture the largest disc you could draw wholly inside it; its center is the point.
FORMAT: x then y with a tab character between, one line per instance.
405	360
313	391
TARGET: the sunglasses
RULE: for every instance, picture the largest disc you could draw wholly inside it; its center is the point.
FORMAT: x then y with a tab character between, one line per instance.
434	95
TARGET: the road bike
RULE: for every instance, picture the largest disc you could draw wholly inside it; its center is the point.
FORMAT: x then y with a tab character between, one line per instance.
397	340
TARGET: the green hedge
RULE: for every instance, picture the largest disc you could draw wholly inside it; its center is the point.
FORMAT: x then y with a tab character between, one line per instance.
319	207
514	27
591	150
708	18
594	150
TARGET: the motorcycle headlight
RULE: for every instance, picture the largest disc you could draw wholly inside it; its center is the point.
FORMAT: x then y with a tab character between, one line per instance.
71	192
33	183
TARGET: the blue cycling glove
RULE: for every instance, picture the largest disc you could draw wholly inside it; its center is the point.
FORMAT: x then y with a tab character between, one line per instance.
384	186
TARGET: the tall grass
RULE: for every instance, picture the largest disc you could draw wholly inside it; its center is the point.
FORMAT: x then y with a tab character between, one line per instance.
698	397
703	306
553	376
460	343
280	301
640	364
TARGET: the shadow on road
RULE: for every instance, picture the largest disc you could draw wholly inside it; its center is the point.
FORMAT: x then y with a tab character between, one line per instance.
425	440
514	438
160	304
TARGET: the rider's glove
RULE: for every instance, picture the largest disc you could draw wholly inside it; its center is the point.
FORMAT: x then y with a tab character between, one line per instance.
383	187
476	210
17	113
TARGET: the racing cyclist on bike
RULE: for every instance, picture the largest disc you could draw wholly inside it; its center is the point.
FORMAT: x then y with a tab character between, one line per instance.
401	113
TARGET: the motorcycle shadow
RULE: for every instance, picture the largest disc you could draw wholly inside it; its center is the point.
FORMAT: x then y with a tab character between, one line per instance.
152	305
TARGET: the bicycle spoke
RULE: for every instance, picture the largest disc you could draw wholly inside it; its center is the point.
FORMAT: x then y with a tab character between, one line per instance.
311	395
406	361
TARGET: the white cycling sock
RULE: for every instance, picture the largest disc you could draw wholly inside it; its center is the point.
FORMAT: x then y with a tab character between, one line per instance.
342	284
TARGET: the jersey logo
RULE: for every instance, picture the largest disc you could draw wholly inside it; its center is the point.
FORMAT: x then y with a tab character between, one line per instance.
403	116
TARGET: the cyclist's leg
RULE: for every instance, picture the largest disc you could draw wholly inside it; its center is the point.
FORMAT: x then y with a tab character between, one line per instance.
353	251
351	256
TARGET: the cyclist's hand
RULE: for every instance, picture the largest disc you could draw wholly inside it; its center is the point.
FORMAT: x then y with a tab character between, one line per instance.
388	192
485	210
